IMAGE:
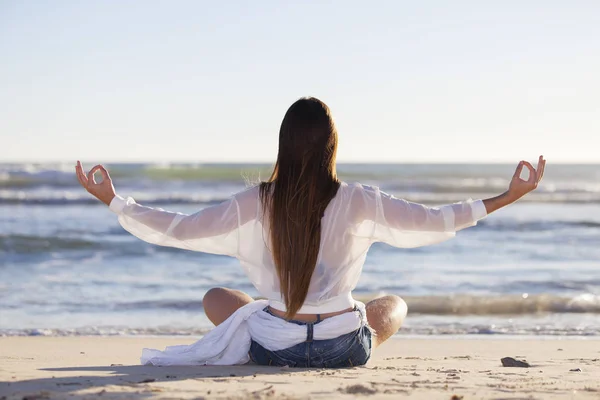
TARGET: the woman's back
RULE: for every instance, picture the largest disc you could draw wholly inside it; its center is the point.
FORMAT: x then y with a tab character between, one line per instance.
340	257
354	219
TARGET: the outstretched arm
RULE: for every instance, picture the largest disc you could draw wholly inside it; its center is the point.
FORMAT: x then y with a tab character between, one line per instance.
518	187
211	230
400	223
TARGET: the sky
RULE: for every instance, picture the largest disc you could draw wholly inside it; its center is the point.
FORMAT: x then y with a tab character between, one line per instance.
209	81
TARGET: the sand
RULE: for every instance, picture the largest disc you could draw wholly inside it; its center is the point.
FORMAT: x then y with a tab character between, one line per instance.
105	368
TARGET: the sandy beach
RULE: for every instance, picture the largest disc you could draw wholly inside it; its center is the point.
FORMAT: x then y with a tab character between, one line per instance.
106	368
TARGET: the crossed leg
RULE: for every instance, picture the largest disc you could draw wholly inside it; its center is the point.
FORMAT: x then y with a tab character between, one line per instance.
385	314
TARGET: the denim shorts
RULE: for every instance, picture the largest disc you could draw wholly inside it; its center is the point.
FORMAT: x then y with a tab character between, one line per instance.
349	350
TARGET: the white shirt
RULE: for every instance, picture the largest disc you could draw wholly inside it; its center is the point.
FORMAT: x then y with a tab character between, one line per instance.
356	217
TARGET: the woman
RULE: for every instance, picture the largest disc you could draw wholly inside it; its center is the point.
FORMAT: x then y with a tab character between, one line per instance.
302	238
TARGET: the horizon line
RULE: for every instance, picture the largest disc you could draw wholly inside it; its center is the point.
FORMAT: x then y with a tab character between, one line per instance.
273	163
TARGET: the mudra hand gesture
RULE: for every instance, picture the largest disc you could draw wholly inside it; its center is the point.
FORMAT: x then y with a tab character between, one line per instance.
104	190
519	187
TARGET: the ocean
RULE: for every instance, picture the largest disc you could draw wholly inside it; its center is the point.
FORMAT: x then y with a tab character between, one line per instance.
68	268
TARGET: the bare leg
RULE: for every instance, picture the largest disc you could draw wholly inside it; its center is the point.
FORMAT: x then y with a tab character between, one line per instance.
385	315
220	303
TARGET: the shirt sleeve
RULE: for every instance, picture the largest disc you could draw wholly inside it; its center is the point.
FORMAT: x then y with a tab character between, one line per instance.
401	223
213	230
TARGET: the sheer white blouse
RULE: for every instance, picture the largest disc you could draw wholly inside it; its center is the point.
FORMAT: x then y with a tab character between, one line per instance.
356	217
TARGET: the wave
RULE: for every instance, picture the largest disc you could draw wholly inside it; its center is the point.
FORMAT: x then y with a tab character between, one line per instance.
568	182
23	175
91	240
65	240
534	226
27	244
32	244
505	304
449	329
545	315
68	199
204	197
444	305
63	175
481	305
105	331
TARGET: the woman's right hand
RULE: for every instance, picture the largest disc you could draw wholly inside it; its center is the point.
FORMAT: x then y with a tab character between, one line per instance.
103	191
519	187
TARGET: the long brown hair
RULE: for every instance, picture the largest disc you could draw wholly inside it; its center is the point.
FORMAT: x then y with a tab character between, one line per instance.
303	183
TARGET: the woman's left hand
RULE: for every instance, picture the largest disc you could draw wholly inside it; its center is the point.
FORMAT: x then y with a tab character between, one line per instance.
104	190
